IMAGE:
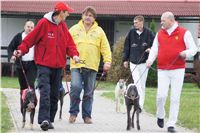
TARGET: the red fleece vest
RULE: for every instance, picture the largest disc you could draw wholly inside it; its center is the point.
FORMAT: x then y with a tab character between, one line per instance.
169	48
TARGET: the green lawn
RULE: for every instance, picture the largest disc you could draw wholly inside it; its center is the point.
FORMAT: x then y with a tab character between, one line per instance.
105	85
189	115
6	123
9	82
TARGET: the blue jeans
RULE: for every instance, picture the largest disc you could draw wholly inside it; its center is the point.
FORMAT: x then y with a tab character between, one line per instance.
82	79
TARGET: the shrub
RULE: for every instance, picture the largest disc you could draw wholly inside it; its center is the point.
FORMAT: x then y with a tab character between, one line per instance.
117	70
152	74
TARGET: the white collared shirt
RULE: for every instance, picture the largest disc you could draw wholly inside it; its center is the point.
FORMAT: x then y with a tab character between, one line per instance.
30	55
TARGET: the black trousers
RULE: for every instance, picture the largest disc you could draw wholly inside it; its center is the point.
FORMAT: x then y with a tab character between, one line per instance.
48	83
30	70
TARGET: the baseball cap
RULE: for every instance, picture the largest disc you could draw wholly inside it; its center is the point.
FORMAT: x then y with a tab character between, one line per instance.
60	6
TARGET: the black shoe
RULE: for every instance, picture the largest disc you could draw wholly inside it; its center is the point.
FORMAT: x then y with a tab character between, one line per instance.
160	122
44	125
171	129
51	126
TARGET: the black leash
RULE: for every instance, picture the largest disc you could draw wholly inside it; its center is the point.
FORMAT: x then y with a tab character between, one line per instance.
135	66
29	88
102	75
141	76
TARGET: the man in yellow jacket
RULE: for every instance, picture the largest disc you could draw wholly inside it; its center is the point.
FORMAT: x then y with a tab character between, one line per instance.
91	42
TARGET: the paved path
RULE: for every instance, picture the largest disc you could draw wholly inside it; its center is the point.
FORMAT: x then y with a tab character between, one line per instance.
105	119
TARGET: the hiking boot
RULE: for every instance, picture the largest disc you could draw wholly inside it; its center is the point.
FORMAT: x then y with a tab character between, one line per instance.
171	129
51	126
72	118
44	125
160	122
87	120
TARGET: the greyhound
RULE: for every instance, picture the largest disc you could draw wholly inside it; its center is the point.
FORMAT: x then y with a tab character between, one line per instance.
29	102
132	99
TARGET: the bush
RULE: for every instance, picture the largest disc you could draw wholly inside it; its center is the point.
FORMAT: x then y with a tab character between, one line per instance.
117	70
152	76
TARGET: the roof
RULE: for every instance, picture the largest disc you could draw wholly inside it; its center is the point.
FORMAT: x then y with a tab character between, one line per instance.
112	7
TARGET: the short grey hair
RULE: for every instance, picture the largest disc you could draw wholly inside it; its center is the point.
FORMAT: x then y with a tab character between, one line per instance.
168	15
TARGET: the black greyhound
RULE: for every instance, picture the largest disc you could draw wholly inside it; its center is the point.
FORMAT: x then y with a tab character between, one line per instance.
29	102
62	94
132	99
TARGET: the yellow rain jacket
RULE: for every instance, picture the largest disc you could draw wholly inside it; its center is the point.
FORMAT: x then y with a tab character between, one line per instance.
90	45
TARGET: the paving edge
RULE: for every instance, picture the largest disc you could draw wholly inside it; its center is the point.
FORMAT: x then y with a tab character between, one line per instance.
13	120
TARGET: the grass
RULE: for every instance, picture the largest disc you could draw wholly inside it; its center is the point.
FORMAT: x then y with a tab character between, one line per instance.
6	123
189	115
9	82
102	85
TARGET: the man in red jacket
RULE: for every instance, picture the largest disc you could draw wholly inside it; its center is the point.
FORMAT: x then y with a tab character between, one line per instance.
52	42
171	46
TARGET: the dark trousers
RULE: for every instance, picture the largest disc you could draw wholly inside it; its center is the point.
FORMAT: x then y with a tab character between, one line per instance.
30	70
48	83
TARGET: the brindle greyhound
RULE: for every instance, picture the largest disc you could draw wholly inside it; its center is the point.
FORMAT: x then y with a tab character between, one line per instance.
29	102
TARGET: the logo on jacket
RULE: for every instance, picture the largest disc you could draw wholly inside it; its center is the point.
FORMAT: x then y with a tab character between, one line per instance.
134	45
176	37
51	34
144	44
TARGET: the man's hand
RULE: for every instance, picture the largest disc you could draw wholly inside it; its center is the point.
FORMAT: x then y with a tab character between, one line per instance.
76	59
17	53
183	54
148	50
106	66
13	58
125	64
148	64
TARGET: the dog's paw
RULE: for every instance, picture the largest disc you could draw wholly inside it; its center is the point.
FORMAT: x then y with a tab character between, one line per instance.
138	127
128	128
132	125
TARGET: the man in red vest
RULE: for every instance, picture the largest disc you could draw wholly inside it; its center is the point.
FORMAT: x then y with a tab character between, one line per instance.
172	45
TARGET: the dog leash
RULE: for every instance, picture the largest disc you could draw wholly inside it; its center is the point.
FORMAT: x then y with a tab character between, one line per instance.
135	66
172	63
102	76
156	70
24	74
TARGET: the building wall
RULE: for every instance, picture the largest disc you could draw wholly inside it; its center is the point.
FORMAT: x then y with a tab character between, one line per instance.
114	29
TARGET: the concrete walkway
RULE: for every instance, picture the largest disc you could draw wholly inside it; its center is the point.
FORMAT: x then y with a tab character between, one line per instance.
105	119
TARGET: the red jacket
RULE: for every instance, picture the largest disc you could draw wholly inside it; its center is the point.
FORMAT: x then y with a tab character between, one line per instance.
169	49
52	43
